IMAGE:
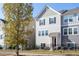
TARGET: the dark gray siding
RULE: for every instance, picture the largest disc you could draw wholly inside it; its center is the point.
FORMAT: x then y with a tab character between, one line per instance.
69	38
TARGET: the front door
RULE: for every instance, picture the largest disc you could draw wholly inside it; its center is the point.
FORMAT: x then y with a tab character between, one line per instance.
53	42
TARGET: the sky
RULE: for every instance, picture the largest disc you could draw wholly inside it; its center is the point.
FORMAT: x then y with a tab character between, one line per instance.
37	7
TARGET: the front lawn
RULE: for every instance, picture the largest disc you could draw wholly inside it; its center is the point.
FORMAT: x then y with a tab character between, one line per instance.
56	52
41	52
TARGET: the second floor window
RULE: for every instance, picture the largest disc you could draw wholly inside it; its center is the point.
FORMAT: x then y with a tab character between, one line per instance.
52	20
42	22
46	32
39	33
42	33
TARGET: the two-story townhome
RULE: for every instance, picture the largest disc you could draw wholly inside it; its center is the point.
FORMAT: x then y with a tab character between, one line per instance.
2	33
48	28
57	28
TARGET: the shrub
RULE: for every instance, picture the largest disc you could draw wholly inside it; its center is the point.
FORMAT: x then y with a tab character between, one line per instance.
1	47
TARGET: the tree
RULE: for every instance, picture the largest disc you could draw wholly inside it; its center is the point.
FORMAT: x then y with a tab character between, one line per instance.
18	17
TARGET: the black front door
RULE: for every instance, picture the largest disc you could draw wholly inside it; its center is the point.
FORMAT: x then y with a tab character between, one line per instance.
53	41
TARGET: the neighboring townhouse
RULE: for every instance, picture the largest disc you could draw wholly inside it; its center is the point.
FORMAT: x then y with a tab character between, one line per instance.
57	28
70	28
2	33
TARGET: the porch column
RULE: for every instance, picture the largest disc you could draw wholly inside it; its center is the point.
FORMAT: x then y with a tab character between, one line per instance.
51	48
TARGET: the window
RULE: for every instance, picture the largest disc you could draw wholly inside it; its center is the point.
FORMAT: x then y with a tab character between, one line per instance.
78	18
1	36
70	20
75	14
70	44
66	20
39	33
46	32
65	31
42	45
42	22
75	31
70	30
52	20
42	33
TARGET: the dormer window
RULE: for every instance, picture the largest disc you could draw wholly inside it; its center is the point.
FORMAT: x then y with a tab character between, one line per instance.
78	18
65	20
1	36
70	20
42	22
52	20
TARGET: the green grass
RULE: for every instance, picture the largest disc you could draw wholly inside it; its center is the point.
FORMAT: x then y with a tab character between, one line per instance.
47	52
56	52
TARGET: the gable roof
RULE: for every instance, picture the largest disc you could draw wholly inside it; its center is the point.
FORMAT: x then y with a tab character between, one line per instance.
72	11
44	9
63	11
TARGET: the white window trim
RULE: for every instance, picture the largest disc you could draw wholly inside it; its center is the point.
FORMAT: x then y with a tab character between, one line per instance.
70	43
72	31
63	31
64	20
72	17
44	32
77	31
53	17
41	20
68	30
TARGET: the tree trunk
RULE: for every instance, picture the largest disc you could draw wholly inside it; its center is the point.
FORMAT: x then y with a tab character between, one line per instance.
17	50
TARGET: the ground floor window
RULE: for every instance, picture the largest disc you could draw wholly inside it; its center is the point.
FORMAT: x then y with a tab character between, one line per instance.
65	31
71	45
75	30
42	45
